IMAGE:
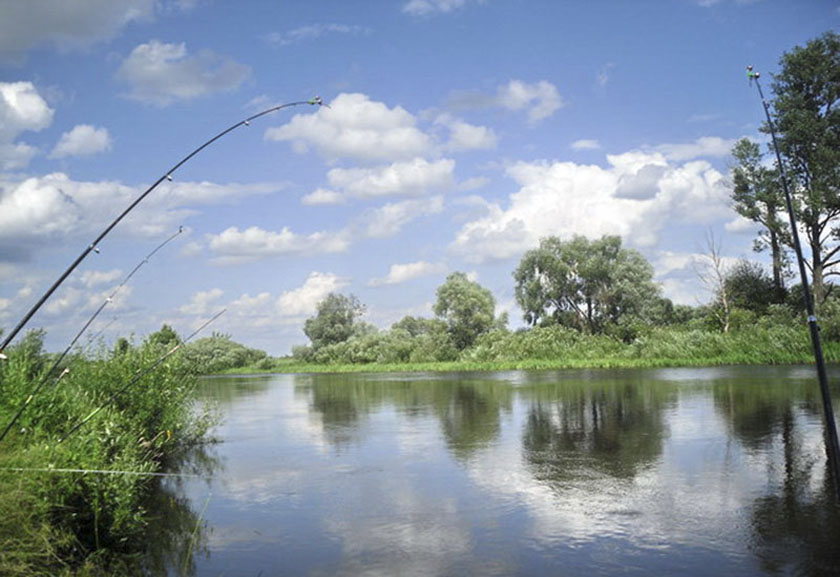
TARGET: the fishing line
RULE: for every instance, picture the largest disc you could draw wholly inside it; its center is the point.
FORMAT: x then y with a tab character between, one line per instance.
93	246
99	472
832	445
61	357
138	376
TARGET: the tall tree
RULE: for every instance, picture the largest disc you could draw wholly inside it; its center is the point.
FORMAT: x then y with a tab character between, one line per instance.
758	197
807	90
585	284
335	320
467	308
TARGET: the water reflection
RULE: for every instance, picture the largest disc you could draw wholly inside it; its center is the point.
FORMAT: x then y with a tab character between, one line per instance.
691	472
579	430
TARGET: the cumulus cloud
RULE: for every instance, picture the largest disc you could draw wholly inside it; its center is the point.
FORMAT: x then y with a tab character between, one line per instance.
412	178
202	302
427	7
233	246
633	197
159	73
78	24
586	144
356	127
83	140
22	109
92	278
541	99
390	219
314	32
400	273
36	211
290	307
465	136
323	196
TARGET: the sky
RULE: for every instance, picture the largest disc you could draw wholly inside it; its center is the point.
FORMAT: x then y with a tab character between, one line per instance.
458	133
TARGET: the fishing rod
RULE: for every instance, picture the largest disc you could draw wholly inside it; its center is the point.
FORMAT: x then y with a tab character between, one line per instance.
84	328
832	444
93	246
139	375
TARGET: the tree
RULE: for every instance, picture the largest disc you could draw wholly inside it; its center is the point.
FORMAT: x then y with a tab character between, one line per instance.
588	285
335	320
750	287
807	90
166	337
713	272
758	197
466	307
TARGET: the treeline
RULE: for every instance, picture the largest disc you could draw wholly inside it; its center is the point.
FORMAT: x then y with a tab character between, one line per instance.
586	303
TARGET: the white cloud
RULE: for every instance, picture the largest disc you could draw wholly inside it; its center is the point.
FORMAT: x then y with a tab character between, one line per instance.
159	73
92	278
604	74
400	273
465	136
234	246
77	24
586	144
202	302
705	146
313	32
563	198
412	178
22	109
389	219
426	7
83	140
323	196
35	211
303	300
541	99
356	127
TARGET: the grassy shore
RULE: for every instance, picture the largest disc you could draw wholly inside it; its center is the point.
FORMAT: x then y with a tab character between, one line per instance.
561	350
73	502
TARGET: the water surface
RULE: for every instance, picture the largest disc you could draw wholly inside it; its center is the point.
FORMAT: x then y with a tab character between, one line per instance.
638	472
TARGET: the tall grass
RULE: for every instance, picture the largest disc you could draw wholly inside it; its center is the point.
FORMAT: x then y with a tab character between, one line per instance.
53	523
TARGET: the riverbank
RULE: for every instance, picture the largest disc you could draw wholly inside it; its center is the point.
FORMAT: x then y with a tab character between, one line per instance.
547	349
79	464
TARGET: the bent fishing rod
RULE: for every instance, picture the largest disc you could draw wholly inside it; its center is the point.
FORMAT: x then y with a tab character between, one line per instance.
109	299
93	246
832	444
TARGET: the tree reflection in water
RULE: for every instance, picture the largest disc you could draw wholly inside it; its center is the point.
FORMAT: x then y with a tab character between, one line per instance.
579	430
796	524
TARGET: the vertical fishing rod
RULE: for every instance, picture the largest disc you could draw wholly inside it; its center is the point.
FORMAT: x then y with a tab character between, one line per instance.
139	375
60	358
166	176
832	445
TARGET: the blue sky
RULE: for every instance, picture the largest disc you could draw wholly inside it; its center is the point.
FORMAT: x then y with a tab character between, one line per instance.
459	133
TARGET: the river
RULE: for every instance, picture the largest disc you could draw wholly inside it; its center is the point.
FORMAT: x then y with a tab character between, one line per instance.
701	471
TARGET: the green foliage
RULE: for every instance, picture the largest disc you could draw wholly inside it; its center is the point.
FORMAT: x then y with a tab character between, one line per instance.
165	338
218	353
58	520
757	196
750	288
335	321
807	117
587	285
467	308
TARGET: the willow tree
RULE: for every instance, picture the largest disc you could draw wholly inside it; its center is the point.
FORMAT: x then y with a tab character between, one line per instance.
588	285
